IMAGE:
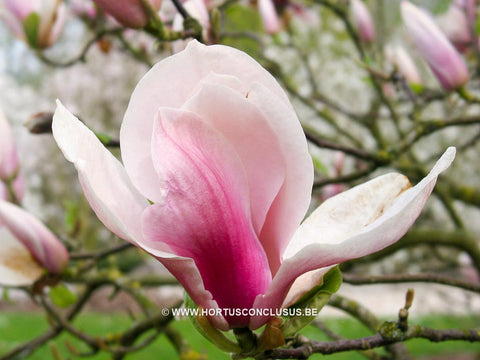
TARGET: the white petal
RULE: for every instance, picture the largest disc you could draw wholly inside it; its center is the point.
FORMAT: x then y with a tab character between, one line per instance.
17	266
324	240
104	181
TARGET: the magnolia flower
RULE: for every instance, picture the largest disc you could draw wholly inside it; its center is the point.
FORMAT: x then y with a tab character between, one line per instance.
216	178
28	248
130	13
444	61
363	21
457	23
398	56
38	22
10	175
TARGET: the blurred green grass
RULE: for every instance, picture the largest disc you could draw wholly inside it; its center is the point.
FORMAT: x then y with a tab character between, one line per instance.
16	328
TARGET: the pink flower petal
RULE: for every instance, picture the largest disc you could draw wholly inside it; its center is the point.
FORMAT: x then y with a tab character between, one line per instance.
363	21
28	230
187	273
170	83
205	215
355	223
293	199
104	181
237	119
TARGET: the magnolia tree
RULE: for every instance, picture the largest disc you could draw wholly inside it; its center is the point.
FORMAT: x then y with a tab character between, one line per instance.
260	160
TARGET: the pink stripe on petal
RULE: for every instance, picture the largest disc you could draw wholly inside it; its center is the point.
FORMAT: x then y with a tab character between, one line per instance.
187	273
205	215
334	235
253	139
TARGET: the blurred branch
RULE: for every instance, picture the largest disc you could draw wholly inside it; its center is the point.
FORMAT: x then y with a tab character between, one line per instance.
82	56
366	343
459	239
96	255
407	278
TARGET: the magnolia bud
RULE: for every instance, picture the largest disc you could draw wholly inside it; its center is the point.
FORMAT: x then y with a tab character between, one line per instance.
401	60
27	247
38	22
130	13
444	61
458	22
271	21
363	21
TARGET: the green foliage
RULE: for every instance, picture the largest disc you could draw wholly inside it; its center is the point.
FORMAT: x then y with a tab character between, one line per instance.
6	295
316	298
61	296
72	210
104	138
242	19
417	88
319	166
31	25
203	326
440	6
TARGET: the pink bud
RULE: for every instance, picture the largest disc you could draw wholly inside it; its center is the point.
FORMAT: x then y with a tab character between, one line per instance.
363	21
130	13
38	22
398	57
16	267
269	15
84	8
444	61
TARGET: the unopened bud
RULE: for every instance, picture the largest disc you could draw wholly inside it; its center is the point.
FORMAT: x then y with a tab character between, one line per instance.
444	61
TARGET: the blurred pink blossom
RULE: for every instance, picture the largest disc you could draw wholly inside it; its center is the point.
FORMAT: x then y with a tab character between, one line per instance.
444	61
363	21
458	23
38	22
27	247
130	13
270	18
84	8
401	60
